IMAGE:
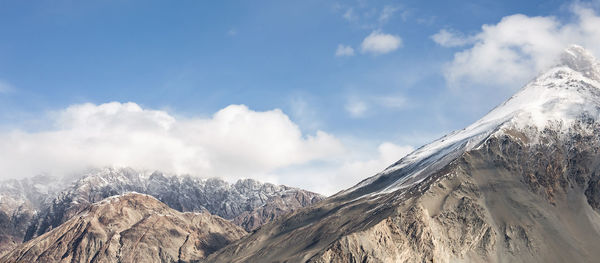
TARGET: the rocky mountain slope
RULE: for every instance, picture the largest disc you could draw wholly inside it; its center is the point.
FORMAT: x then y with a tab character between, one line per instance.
130	228
520	185
38	205
19	202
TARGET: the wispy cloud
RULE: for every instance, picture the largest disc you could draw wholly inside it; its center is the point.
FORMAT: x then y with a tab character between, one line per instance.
380	43
356	107
350	15
363	160
387	13
392	101
304	112
344	51
371	15
6	87
447	38
360	106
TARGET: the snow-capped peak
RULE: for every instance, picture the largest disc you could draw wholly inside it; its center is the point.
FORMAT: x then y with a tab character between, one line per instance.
581	60
564	94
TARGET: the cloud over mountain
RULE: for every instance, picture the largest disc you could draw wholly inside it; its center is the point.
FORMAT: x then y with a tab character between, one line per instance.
235	142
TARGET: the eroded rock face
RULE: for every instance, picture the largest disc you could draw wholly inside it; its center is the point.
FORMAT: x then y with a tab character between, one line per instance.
19	202
275	207
236	202
130	228
520	196
32	206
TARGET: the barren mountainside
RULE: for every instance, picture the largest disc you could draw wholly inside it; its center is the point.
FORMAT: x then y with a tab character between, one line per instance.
520	185
33	206
130	228
19	202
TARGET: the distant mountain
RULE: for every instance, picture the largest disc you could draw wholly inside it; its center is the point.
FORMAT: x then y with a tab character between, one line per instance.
130	228
19	202
40	204
522	184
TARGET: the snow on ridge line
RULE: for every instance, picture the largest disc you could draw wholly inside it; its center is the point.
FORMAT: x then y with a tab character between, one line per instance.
112	198
562	95
558	95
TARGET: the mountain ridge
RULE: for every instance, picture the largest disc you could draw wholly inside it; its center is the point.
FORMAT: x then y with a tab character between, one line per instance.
35	210
525	108
131	227
522	184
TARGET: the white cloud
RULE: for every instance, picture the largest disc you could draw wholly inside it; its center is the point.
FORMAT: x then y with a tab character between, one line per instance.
343	50
235	142
6	87
356	108
447	38
380	43
512	52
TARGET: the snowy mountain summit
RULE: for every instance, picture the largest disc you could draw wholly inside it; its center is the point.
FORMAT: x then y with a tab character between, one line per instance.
566	94
522	184
581	60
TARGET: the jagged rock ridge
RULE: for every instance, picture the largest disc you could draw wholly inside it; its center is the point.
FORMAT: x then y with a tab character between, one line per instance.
19	202
38	205
520	185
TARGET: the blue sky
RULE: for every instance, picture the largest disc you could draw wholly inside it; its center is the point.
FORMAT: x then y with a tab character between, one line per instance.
192	59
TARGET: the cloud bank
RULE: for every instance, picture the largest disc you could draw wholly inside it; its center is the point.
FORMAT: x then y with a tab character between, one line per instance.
235	142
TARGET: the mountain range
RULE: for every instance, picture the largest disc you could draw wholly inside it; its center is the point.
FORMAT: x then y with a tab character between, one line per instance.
33	206
522	184
519	185
130	228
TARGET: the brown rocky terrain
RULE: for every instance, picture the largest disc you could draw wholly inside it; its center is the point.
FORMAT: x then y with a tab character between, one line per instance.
520	185
182	193
19	202
275	207
30	207
130	228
